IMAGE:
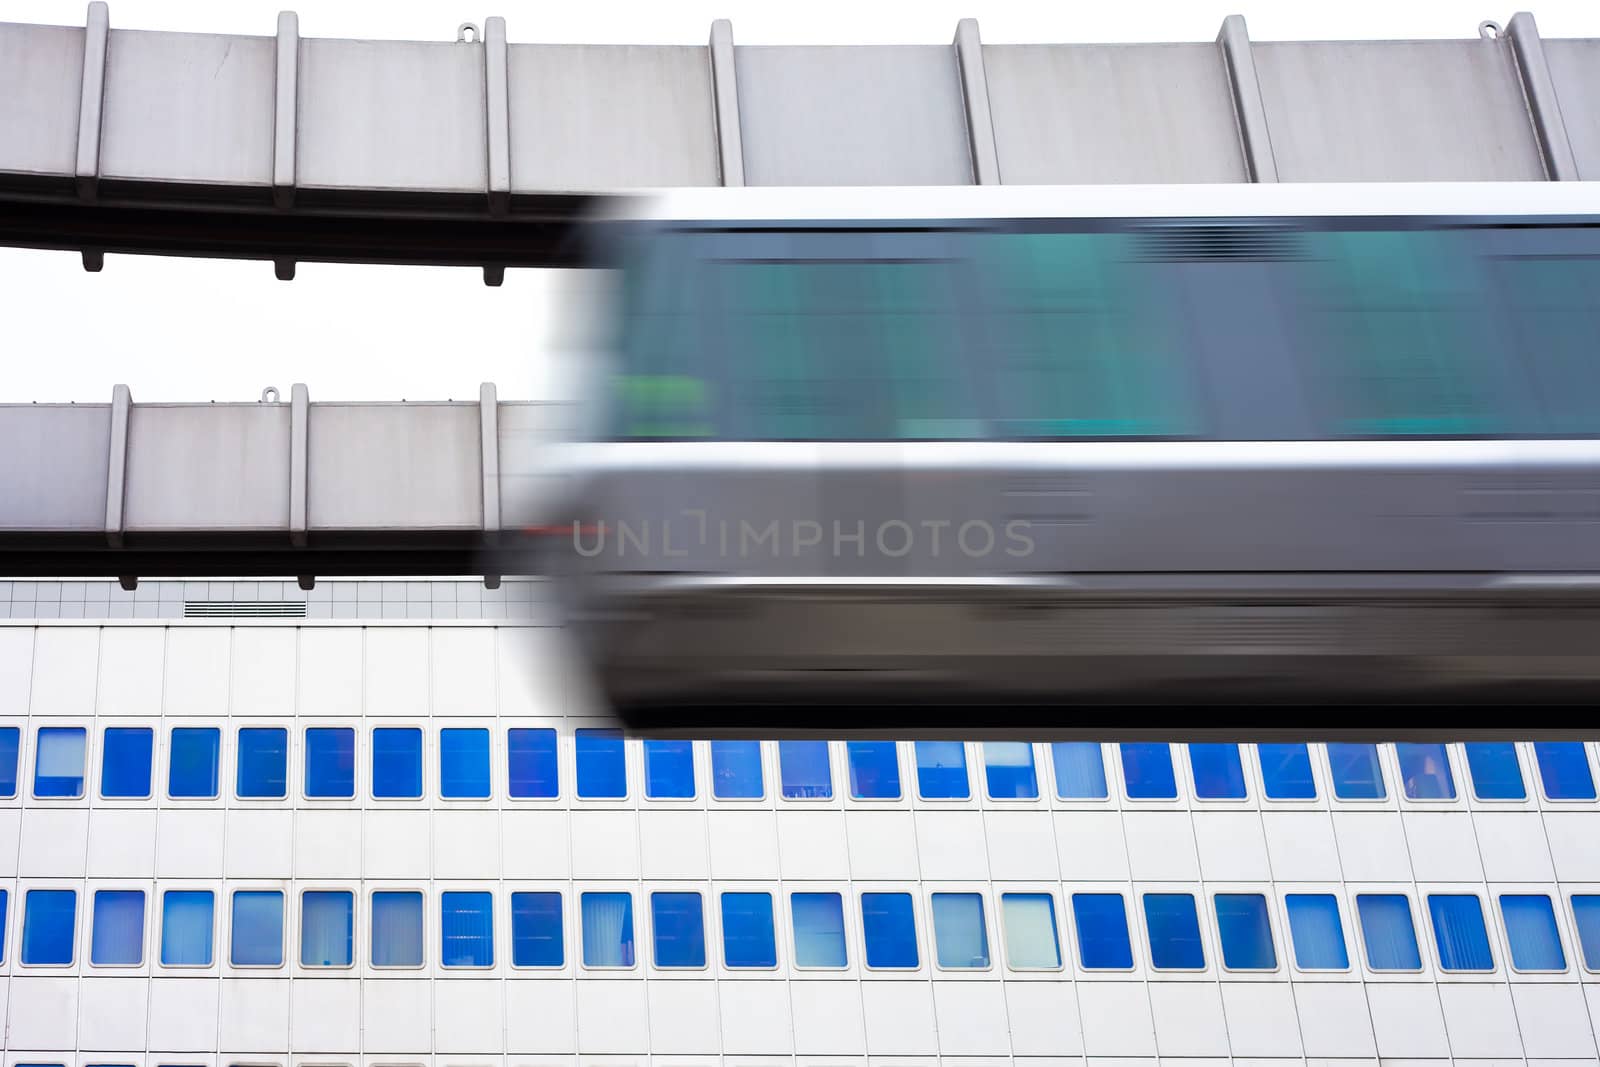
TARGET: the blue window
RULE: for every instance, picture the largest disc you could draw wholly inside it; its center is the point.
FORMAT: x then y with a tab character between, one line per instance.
889	929
194	764
531	762
819	929
1425	771
5	899
1458	931
1147	771
942	770
327	928
263	763
397	929
736	770
1102	923
117	937
874	770
397	763
960	936
1218	771
1586	912
330	761
1317	932
1531	931
602	765
1564	770
10	746
1286	772
464	764
804	770
187	919
466	929
1245	932
1008	770
1080	770
1495	772
58	765
748	939
680	929
49	926
1357	774
1388	933
607	929
669	770
1174	932
125	761
1032	942
257	928
536	939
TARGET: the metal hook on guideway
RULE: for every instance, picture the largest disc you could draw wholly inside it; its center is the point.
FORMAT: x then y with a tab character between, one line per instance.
467	33
1489	30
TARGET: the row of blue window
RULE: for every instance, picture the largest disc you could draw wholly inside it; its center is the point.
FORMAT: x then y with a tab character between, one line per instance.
804	767
749	933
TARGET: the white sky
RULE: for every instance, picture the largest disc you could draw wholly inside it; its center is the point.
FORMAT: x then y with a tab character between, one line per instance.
188	330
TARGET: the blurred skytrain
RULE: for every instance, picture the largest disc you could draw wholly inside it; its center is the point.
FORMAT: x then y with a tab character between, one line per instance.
1052	450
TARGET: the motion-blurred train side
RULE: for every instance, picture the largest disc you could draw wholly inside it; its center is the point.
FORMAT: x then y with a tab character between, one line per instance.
1049	451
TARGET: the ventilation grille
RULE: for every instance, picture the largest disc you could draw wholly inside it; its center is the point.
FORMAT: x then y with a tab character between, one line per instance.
1224	243
248	609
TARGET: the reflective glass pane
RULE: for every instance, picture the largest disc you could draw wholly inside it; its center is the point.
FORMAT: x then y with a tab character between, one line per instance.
678	922
58	764
889	928
736	770
1101	920
959	933
1564	770
1032	942
669	769
1495	772
1317	932
1147	771
1425	771
1531	932
1080	770
1459	932
117	936
748	938
466	927
49	921
327	928
602	764
464	764
942	770
874	770
330	761
531	760
187	920
194	763
819	929
1388	933
1245	932
125	761
536	939
607	930
1357	774
1008	770
263	763
1586	912
1218	771
397	763
803	767
1286	772
397	929
1174	932
10	745
257	928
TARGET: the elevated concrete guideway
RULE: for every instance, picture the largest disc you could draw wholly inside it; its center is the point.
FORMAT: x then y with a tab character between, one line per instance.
483	152
279	487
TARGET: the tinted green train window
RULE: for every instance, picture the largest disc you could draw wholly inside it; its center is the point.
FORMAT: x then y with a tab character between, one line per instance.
664	386
1400	337
847	349
1552	303
1077	342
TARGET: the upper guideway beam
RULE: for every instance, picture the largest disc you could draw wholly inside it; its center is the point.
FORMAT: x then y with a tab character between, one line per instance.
480	151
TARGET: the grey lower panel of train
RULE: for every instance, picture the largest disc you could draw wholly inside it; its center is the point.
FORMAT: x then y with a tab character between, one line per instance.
794	575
